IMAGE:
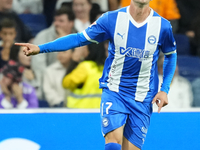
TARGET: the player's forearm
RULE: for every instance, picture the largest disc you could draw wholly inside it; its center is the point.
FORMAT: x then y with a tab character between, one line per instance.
169	67
64	43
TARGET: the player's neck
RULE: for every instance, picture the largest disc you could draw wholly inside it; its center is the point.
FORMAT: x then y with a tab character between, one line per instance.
139	12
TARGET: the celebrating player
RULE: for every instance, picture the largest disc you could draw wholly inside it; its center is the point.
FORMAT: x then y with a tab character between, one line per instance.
130	80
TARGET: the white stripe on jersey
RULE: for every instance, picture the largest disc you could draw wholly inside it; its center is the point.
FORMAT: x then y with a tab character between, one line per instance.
153	29
120	39
88	38
170	53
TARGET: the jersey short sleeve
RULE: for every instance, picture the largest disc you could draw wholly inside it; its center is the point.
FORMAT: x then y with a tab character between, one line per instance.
169	44
99	30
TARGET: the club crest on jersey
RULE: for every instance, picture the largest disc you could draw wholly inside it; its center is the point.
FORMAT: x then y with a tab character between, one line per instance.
152	39
135	52
105	122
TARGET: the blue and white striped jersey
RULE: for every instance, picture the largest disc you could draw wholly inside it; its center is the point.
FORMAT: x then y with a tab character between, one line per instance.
131	66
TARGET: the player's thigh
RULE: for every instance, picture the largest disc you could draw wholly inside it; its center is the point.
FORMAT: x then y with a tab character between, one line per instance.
113	116
115	136
126	145
137	124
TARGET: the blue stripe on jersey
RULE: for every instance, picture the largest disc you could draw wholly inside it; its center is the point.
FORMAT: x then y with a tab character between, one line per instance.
135	47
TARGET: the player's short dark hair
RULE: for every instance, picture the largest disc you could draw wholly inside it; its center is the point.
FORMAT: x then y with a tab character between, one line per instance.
65	10
7	23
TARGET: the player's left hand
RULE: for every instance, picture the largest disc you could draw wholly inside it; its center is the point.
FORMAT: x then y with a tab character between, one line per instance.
161	100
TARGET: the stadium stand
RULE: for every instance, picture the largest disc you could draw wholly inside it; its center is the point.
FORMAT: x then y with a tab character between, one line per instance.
35	22
183	44
189	67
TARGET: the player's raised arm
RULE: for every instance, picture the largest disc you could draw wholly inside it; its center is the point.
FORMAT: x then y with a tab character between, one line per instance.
60	44
29	49
96	33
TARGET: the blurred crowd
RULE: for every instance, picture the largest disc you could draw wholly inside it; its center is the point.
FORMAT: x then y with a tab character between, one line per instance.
70	79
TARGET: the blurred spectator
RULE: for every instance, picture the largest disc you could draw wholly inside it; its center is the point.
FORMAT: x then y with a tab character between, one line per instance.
115	4
196	92
94	12
23	34
49	10
169	10
194	34
82	10
7	34
61	3
180	94
54	93
102	3
63	25
79	55
124	3
17	55
27	6
166	8
80	80
189	10
13	92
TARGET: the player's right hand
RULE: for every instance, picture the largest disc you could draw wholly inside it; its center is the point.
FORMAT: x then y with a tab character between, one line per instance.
29	49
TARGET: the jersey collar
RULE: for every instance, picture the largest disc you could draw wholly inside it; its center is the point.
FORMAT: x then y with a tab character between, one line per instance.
138	25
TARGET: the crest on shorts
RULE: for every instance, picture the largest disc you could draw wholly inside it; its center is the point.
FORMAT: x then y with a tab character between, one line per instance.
105	122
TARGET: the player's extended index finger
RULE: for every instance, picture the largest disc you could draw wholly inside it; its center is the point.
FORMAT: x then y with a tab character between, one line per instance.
21	44
159	109
160	106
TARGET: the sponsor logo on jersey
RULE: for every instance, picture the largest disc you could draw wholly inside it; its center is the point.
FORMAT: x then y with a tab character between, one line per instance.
135	52
105	122
152	39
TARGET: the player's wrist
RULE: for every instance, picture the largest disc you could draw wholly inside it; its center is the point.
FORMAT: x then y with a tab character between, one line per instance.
40	48
164	90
